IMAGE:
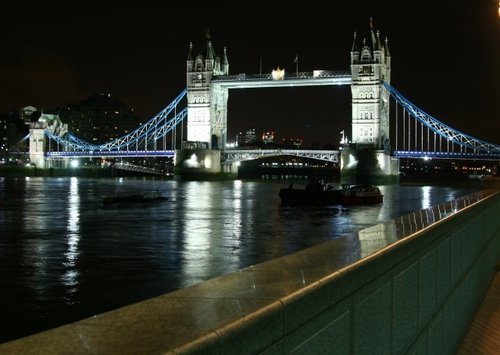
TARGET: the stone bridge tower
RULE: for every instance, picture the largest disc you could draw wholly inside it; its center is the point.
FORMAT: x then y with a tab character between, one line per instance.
367	159
207	104
370	67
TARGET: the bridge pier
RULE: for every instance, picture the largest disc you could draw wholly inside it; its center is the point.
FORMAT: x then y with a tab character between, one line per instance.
368	166
202	164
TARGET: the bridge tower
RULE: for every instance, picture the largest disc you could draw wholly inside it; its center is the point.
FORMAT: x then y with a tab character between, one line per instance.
39	142
200	156
367	157
370	66
207	104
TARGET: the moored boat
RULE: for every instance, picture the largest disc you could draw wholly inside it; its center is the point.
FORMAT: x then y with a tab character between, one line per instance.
315	193
360	194
318	193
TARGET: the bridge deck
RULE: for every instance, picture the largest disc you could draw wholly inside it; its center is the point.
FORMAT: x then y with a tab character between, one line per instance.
483	336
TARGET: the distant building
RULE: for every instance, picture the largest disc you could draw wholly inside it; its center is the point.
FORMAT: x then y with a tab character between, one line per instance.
247	138
268	137
292	143
12	130
99	118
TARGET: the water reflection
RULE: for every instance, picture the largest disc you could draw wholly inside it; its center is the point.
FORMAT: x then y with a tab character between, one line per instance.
70	277
376	237
426	197
37	218
217	217
236	222
196	235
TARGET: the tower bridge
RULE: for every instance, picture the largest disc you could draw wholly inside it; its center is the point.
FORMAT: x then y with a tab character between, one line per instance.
209	81
196	135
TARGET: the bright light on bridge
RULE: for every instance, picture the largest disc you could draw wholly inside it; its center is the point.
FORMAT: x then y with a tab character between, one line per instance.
74	163
278	74
192	162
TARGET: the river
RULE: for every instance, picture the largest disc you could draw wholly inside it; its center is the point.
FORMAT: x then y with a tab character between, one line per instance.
64	256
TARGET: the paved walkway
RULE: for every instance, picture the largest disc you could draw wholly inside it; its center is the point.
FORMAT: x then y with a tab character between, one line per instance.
483	336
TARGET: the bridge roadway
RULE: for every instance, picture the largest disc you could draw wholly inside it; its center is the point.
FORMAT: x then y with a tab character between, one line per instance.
229	155
235	155
410	285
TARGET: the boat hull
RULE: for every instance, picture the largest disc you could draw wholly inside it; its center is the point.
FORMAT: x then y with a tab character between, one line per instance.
361	200
348	195
303	196
361	194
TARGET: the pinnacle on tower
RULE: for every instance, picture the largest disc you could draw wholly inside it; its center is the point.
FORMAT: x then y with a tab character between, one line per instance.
354	49
190	54
210	51
374	39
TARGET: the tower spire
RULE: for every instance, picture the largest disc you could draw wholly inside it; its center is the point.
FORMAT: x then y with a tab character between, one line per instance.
225	62
190	54
210	55
374	40
353	49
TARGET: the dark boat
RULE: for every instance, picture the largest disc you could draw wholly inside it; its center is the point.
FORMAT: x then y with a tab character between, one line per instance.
360	194
318	193
134	197
315	193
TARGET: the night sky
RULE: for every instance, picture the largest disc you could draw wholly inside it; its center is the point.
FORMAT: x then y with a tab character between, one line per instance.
445	57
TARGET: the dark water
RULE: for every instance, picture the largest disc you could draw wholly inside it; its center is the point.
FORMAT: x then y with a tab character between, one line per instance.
64	257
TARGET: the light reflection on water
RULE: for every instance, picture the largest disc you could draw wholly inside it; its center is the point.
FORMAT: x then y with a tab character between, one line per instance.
70	277
65	257
426	197
197	232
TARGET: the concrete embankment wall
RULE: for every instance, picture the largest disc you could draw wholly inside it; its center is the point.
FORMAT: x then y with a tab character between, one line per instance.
411	285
